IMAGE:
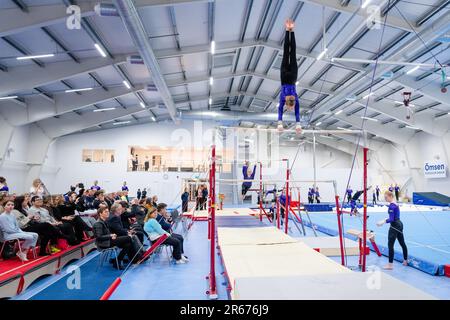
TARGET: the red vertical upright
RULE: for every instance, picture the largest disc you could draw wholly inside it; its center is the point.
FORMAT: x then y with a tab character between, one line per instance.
364	211
278	212
341	236
212	191
209	203
260	191
287	205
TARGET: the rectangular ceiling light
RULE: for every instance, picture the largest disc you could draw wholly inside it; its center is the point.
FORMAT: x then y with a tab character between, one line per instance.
318	123
322	54
412	70
371	119
78	90
100	50
104	109
210	101
211	81
126	84
119	123
142	104
8	98
339	112
213	47
154	119
410	127
39	56
368	95
365	3
340	128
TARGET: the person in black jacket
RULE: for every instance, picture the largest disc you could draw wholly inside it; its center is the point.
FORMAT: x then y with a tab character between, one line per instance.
65	212
104	239
185	201
115	223
204	197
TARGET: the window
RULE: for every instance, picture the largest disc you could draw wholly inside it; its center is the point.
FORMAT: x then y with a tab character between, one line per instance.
98	155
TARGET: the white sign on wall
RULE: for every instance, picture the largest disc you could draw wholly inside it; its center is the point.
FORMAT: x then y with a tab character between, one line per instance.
435	169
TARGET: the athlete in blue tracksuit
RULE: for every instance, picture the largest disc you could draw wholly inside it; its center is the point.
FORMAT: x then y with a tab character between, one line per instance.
247	185
288	75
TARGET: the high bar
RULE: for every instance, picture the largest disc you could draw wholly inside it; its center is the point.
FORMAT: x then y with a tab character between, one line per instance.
321	131
269	180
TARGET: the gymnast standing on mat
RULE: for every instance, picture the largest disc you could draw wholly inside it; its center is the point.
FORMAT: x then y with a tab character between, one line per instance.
288	75
395	230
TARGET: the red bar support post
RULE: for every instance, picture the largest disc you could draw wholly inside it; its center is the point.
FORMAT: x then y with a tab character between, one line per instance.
341	236
260	192
286	211
365	150
212	292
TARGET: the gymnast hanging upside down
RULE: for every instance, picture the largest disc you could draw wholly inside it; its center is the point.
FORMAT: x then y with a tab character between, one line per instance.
356	196
288	71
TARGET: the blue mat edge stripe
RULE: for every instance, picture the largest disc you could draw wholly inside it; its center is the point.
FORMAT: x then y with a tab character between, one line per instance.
420	264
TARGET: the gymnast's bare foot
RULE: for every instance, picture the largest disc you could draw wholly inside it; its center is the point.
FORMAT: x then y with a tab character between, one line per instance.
405	263
298	128
289	25
389	266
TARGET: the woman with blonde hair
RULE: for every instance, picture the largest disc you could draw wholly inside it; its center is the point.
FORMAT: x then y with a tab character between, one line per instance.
38	188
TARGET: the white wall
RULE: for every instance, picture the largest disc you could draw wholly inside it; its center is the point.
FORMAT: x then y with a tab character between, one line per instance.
405	162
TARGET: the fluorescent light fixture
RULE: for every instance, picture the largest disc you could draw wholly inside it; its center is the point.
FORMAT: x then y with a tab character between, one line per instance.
100	50
340	128
318	123
371	119
38	56
213	47
278	104
104	109
413	69
297	83
365	3
8	98
211	81
78	90
119	123
339	112
153	119
126	84
368	95
142	104
210	101
410	127
321	55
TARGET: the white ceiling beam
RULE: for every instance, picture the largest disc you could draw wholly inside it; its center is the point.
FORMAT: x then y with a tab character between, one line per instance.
14	20
404	53
431	90
73	122
424	121
203	78
38	109
25	77
392	20
388	131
